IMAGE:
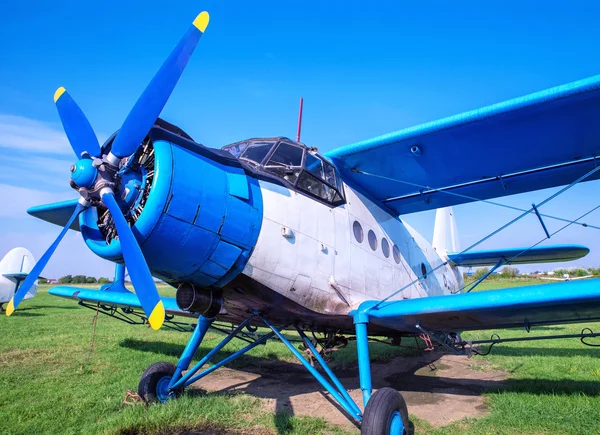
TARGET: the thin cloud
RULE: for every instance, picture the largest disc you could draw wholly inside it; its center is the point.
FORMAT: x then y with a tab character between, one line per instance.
18	132
16	200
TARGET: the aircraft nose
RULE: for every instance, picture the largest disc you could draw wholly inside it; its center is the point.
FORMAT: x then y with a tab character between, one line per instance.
196	219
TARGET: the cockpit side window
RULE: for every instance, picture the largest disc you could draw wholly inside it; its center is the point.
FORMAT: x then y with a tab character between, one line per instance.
319	179
286	162
236	149
257	152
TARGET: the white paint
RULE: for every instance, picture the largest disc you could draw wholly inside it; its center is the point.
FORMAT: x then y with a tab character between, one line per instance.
319	263
18	260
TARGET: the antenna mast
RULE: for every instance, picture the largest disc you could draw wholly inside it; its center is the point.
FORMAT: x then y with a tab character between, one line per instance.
299	120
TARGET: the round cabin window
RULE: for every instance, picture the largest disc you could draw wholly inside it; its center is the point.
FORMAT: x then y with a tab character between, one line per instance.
396	253
423	270
358	232
372	240
385	247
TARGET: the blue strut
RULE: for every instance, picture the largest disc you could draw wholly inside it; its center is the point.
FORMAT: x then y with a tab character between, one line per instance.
352	410
361	321
337	391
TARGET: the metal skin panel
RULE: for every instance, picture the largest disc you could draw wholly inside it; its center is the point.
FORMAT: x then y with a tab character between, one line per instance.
193	228
545	128
293	248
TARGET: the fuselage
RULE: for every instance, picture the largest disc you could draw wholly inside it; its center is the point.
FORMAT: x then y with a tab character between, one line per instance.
269	226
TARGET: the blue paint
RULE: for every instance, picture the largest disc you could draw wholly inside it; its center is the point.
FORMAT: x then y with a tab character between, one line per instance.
364	362
332	376
77	127
538	254
84	173
57	213
149	105
190	348
532	305
231	357
562	115
330	388
396	426
214	209
183	382
537	213
111	297
238	184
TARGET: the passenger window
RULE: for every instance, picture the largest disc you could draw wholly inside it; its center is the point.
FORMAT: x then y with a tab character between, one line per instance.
396	253
358	231
257	152
385	247
372	240
286	162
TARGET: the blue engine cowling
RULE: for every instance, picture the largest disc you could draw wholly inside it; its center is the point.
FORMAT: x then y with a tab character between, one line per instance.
199	221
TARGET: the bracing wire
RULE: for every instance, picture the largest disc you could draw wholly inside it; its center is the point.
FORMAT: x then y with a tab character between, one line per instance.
493	233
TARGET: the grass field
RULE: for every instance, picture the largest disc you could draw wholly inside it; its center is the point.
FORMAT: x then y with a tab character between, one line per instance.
51	383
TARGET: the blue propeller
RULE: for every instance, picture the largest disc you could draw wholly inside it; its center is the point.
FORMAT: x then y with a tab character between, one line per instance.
92	180
148	107
39	266
136	264
77	127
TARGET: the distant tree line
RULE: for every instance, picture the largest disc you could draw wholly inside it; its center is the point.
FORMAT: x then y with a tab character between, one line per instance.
513	272
82	279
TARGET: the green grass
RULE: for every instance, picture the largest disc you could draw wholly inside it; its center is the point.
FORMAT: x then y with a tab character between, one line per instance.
51	384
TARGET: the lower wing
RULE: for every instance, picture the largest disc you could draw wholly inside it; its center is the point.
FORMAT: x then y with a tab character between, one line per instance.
566	302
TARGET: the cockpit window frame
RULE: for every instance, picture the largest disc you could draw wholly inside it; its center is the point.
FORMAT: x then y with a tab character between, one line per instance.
261	168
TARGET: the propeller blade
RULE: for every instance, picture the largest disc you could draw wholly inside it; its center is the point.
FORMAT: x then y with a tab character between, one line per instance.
148	107
136	265
77	127
39	266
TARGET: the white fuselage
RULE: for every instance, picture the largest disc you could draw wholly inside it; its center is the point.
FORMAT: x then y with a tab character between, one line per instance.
308	252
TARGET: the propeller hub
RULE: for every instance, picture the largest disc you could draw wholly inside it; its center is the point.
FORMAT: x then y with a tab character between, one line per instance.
83	173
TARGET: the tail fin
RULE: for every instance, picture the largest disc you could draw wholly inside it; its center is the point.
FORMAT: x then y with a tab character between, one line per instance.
445	235
14	268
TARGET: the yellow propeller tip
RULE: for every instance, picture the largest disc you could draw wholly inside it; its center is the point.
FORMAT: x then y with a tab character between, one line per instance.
10	308
201	21
59	93
157	317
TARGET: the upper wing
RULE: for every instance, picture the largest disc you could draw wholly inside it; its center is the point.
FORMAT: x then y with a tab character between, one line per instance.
538	254
567	302
541	140
57	213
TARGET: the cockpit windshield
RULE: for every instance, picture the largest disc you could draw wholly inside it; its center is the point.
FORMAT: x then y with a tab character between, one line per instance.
293	162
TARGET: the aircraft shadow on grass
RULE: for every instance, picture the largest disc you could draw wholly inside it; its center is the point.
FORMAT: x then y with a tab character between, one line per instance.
272	372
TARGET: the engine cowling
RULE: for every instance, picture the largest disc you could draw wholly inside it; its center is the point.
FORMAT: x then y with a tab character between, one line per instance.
194	212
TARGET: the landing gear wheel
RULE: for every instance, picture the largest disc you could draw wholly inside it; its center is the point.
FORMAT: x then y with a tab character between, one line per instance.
386	413
154	383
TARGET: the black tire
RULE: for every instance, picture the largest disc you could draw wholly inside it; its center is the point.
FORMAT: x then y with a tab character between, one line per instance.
147	388
380	408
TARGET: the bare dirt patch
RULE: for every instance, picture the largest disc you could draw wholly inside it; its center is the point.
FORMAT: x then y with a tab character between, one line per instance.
437	388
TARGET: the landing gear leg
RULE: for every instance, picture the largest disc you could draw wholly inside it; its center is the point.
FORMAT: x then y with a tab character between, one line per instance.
385	410
157	381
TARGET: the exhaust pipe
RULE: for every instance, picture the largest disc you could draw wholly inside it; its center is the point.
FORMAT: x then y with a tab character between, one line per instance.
206	302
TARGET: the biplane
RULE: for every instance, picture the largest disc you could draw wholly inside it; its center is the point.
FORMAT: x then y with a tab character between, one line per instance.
270	232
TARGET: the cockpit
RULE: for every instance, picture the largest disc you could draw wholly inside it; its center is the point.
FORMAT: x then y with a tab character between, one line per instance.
298	165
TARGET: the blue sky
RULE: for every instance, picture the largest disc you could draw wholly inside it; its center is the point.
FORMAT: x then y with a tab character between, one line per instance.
364	69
